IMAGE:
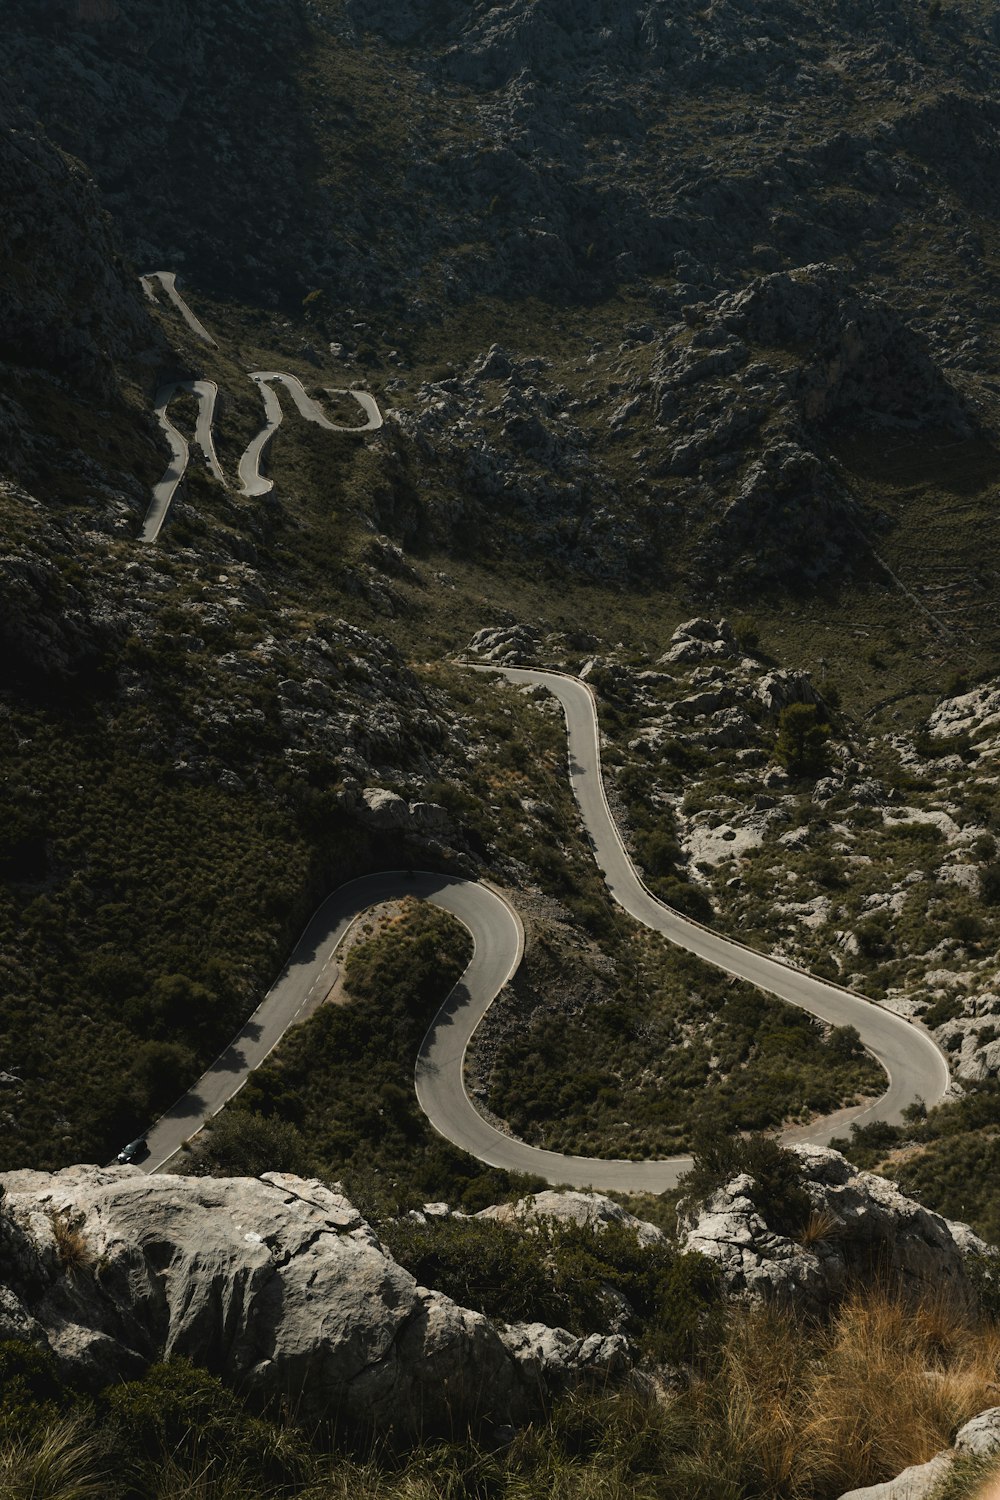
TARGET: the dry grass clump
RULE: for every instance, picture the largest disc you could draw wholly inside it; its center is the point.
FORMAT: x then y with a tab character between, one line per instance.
897	1381
784	1409
822	1224
60	1463
74	1253
802	1411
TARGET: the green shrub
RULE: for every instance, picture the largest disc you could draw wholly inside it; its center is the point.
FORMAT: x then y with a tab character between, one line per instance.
658	851
874	938
868	1144
684	896
179	1412
412	964
241	1143
31	1391
948	1008
801	746
778	1193
560	1274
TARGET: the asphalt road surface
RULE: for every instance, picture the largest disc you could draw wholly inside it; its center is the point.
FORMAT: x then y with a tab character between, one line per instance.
252	482
168	281
915	1066
303	985
163	492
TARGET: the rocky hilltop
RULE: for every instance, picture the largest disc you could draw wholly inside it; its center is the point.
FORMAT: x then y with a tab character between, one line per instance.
277	1284
280	1286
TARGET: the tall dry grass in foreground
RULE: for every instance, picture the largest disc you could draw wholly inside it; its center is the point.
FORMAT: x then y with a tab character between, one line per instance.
802	1412
62	1462
783	1410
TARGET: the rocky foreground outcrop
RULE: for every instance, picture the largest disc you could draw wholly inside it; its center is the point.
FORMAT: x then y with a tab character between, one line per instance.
277	1284
861	1225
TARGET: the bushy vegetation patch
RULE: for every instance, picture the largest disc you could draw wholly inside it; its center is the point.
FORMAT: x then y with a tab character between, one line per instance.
140	914
948	1158
777	1192
337	1097
676	1044
777	1409
560	1274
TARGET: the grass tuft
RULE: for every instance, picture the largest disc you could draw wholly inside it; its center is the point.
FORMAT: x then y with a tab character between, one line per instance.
75	1255
62	1463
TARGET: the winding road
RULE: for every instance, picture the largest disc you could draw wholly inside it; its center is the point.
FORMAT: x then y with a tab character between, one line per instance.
163	492
252	482
915	1065
168	281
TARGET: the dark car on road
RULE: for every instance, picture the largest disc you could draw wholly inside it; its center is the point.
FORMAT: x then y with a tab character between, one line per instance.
136	1150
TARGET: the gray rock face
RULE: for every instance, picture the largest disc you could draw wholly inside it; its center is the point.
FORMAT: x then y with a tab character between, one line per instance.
381	808
558	1359
861	1221
701	640
749	423
593	1210
916	1483
976	713
275	1283
385	809
506	644
979	1438
778	689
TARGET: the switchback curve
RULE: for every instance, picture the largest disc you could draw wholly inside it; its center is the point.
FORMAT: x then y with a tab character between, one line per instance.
168	281
163	492
915	1066
251	480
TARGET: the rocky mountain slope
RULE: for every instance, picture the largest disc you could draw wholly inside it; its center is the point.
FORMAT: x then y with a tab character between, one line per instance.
279	1285
671	314
423	175
127	1291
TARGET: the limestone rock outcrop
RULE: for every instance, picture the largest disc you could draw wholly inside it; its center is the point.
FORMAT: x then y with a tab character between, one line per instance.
701	640
979	1438
506	644
861	1222
275	1283
382	808
593	1210
559	1359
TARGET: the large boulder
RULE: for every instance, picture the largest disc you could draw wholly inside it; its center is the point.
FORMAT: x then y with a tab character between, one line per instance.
860	1224
701	640
381	808
508	645
780	688
275	1283
592	1210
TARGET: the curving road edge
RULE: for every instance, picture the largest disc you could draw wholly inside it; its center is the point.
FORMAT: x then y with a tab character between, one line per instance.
168	281
915	1065
163	492
251	480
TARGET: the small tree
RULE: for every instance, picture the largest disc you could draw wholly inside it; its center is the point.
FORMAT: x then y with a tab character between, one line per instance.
801	746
